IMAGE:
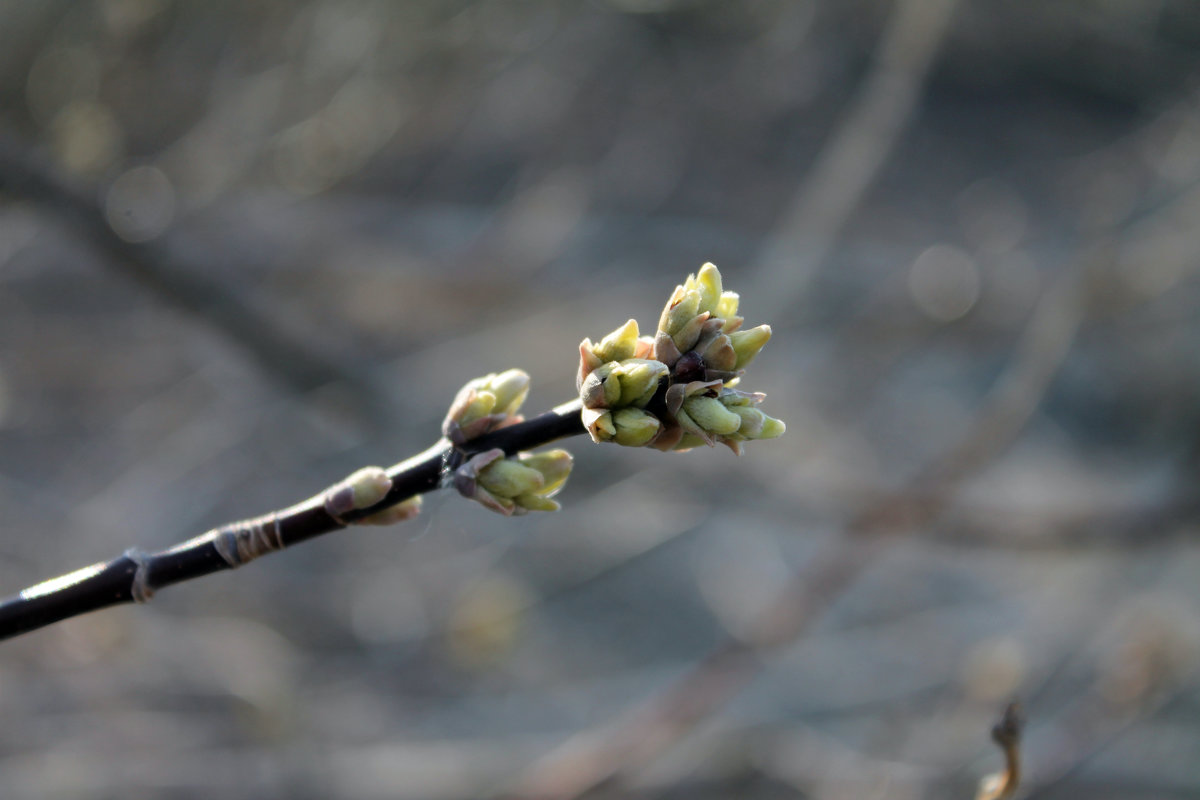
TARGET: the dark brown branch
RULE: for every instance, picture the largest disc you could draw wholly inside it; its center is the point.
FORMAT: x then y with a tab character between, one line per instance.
135	576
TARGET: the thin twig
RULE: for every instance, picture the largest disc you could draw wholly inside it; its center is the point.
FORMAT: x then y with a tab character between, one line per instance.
1007	735
854	151
135	576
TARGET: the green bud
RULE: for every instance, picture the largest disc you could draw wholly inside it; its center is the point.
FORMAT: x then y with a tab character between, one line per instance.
688	333
599	424
485	404
708	282
620	344
466	481
404	510
727	305
688	441
683	305
554	467
362	489
506	478
720	355
772	428
752	421
731	398
638	379
635	427
479	404
514	485
601	389
509	389
747	343
534	502
711	415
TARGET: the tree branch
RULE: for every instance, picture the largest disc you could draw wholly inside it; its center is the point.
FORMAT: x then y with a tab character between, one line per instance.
135	575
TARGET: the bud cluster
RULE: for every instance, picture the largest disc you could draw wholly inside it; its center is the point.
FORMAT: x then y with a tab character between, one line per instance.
513	485
517	485
675	390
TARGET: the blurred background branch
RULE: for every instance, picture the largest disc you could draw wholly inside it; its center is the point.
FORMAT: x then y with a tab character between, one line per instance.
162	268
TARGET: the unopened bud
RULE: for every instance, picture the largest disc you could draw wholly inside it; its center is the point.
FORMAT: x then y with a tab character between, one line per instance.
466	481
711	415
708	282
644	347
554	466
534	502
683	305
727	308
484	404
747	343
506	478
639	379
477	405
362	489
727	305
688	334
635	427
599	424
688	441
404	510
772	428
720	355
514	485
752	421
509	388
588	361
602	388
620	344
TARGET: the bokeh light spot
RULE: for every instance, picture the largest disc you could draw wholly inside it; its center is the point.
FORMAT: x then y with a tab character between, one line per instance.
140	204
944	282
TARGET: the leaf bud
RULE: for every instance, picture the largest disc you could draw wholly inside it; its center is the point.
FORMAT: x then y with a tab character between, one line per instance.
635	427
711	416
638	379
748	343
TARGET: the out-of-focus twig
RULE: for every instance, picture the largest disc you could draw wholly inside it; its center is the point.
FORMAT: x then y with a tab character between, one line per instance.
595	757
157	267
854	151
1095	721
1040	352
1007	735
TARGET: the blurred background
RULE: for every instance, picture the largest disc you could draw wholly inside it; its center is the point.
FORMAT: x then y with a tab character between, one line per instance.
246	248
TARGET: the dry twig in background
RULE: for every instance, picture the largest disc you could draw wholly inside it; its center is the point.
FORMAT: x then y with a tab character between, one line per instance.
1007	735
854	151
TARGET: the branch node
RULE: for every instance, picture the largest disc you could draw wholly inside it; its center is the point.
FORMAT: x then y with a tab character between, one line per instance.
245	541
